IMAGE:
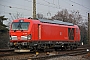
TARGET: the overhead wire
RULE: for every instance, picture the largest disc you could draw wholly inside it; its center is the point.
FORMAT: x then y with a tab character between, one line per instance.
68	10
11	13
47	5
78	9
48	2
42	4
14	7
79	4
15	3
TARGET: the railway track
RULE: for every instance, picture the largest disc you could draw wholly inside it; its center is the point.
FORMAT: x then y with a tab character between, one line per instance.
76	52
10	55
6	52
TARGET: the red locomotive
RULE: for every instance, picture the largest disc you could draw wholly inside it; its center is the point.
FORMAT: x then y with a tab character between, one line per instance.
32	35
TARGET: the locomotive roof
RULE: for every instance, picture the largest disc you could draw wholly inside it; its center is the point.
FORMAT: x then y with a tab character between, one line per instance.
55	22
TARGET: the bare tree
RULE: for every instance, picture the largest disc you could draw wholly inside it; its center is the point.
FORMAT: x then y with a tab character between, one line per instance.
13	17
16	16
64	15
39	15
61	15
75	17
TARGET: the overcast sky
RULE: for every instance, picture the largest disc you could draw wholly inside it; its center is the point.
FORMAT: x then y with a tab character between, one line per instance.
43	6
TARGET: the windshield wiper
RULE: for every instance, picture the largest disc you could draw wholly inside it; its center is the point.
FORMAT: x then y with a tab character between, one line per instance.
19	26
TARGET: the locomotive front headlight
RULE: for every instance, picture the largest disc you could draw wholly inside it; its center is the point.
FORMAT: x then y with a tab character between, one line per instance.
29	37
23	37
10	37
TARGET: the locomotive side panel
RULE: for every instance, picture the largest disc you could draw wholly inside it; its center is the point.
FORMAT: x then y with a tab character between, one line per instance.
36	32
32	32
54	32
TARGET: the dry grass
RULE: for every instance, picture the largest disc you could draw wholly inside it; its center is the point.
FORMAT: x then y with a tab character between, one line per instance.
87	56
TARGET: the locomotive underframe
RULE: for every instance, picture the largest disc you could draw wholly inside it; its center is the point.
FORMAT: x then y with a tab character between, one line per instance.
44	45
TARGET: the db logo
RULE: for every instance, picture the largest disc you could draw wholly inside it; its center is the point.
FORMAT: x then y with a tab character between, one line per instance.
24	33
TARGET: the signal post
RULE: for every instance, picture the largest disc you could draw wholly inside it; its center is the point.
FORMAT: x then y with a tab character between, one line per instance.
89	28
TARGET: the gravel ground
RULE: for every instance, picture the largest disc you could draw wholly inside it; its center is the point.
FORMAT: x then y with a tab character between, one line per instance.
19	57
80	57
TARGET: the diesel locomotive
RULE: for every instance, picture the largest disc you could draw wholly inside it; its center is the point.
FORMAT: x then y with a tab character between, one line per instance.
28	34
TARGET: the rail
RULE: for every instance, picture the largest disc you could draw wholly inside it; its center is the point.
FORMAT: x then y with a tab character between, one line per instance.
59	54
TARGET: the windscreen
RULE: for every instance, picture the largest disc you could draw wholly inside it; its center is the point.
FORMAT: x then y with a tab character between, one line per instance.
20	25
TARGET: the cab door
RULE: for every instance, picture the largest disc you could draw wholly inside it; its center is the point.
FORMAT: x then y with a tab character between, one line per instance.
71	33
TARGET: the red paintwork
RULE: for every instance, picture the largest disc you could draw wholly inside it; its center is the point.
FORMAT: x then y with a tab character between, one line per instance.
48	32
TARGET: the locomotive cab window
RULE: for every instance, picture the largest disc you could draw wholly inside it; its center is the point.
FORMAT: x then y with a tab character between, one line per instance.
20	25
